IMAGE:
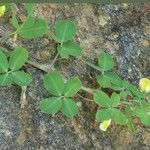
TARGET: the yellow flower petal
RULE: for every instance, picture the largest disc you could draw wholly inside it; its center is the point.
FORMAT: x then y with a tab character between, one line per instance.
144	85
104	125
2	10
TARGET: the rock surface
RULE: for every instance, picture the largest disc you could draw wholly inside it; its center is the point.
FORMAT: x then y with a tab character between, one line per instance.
122	30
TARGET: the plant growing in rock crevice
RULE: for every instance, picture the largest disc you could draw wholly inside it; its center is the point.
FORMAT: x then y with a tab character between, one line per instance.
125	101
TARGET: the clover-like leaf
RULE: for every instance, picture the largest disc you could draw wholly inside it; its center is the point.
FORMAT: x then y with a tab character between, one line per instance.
33	28
14	19
21	78
103	114
103	81
124	94
17	58
102	99
105	61
54	83
72	86
134	91
51	105
114	78
118	116
5	79
64	30
3	62
110	80
69	107
143	114
115	99
70	49
29	7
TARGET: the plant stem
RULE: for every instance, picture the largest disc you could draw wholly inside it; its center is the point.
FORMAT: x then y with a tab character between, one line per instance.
93	66
89	90
85	98
54	60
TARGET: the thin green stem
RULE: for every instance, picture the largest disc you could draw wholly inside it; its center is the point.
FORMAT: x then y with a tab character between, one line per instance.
89	90
93	66
85	98
55	59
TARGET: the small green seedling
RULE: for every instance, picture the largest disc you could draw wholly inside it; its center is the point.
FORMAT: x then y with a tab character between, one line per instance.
10	68
31	28
63	92
64	31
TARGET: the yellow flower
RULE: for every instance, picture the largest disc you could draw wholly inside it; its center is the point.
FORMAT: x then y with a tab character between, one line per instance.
144	85
104	125
2	10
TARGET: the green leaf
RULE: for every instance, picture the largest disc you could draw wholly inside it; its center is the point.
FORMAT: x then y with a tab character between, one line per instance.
134	90
71	49
17	59
110	80
51	105
103	81
21	78
54	83
63	55
130	125
103	114
119	117
143	114
33	28
124	94
115	99
15	22
3	62
5	79
29	7
69	107
64	30
14	19
105	61
72	86
128	111
114	78
102	99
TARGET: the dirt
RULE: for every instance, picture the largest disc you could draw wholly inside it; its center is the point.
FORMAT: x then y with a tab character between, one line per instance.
123	30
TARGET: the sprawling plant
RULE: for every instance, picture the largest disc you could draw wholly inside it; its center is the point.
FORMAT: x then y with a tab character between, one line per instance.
121	104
